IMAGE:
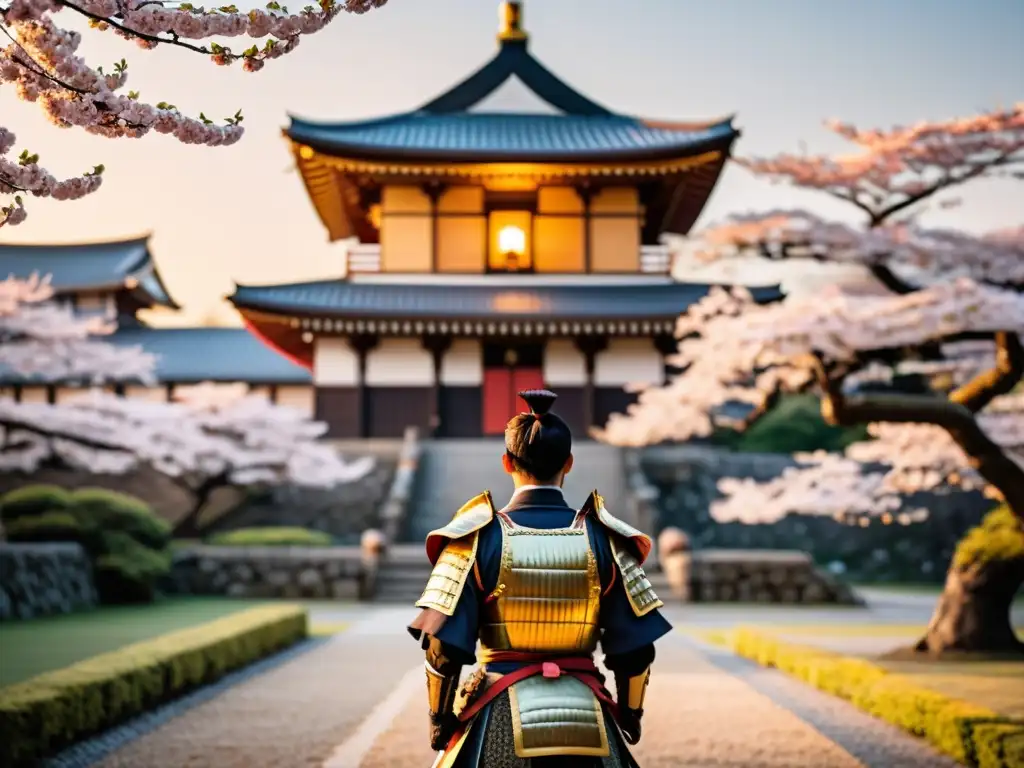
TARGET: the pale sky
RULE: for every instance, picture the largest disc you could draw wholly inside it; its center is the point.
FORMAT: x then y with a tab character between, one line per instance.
240	213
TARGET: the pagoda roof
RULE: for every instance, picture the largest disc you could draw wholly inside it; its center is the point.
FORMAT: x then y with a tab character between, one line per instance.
491	137
192	355
446	129
488	298
98	266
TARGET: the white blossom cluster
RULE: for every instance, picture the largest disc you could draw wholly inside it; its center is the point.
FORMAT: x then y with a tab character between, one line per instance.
44	341
932	254
740	352
208	431
911	458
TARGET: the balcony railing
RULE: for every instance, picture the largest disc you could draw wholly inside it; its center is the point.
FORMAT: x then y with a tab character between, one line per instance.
362	258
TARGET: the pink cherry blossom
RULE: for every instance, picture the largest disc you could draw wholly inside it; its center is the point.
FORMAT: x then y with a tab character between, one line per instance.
42	64
895	170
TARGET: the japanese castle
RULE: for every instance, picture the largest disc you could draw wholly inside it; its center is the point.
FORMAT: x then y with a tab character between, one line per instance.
487	251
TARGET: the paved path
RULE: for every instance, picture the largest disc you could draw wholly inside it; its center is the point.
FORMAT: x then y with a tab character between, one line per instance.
356	701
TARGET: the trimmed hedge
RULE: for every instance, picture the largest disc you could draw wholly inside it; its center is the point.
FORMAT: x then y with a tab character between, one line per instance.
33	500
40	716
972	734
271	537
128	544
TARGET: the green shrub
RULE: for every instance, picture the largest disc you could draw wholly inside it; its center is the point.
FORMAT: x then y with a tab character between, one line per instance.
48	526
40	716
33	500
794	425
112	511
271	537
127	543
974	735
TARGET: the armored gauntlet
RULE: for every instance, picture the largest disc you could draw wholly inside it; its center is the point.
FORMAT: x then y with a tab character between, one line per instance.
631	690
442	685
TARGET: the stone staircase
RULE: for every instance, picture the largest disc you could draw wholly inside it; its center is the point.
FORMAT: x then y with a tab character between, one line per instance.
451	472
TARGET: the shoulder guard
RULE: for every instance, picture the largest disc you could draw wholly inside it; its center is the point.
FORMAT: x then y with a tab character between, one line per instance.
452	552
639	591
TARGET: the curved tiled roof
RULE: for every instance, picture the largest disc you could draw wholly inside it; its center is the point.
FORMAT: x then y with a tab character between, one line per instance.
90	266
445	129
484	300
503	137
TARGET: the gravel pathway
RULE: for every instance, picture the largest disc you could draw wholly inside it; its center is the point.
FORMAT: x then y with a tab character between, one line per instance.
291	716
355	702
875	743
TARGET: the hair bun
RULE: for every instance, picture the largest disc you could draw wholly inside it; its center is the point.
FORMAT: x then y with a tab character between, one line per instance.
539	400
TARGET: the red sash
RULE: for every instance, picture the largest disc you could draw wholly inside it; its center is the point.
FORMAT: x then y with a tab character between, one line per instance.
582	668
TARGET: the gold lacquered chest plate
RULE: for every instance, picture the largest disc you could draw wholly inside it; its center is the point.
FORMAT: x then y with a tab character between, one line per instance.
548	594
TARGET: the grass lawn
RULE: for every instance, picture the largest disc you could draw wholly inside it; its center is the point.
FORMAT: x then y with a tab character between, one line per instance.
29	648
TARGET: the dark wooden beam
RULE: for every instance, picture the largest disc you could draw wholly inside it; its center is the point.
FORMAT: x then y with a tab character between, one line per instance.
586	194
589	346
437	346
361	344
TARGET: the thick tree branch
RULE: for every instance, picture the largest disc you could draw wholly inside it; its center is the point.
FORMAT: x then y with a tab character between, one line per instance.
884	274
984	456
977	393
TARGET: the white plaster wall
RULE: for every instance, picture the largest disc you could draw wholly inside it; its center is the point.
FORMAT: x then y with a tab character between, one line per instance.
302	398
153	394
33	394
564	364
261	390
627	361
335	364
463	364
401	363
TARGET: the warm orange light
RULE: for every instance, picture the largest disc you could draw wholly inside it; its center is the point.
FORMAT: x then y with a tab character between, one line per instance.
512	240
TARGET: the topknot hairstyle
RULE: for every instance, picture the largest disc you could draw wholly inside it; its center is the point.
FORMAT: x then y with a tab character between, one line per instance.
539	443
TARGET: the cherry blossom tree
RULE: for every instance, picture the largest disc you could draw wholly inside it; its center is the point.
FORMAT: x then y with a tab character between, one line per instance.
735	351
42	64
212	436
954	309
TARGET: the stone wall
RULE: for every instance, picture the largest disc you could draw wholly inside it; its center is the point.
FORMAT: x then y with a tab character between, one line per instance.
763	577
44	579
908	547
272	572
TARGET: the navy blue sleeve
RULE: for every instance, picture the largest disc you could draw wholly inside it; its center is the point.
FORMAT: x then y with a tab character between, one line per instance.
622	631
461	629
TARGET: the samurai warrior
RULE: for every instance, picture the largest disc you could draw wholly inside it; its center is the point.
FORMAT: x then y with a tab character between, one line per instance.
540	585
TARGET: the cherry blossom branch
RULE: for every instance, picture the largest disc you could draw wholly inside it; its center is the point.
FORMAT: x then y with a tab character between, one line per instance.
996	381
42	65
898	168
890	252
984	455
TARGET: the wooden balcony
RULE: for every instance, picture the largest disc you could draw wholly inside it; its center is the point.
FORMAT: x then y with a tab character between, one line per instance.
363	258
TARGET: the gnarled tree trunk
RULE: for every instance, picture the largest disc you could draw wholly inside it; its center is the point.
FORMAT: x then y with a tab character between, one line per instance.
973	614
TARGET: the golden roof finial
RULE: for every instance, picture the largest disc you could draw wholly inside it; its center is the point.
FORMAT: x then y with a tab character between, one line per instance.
511	16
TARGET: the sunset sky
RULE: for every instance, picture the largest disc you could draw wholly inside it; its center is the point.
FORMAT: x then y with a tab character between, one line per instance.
241	214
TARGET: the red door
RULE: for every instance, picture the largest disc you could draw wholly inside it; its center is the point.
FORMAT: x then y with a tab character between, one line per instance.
499	395
496	401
